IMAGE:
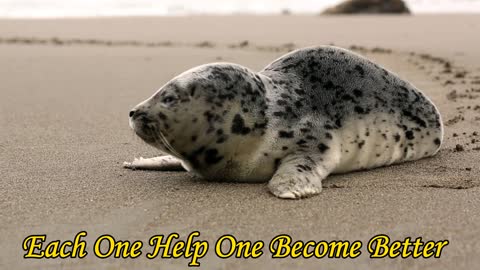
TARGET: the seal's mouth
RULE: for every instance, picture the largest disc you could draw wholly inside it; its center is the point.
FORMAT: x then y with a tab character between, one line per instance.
160	138
147	134
147	129
143	127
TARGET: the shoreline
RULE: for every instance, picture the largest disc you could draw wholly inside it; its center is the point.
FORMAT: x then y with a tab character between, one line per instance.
443	31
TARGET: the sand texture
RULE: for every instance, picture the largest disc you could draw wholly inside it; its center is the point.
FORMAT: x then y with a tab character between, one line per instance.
66	89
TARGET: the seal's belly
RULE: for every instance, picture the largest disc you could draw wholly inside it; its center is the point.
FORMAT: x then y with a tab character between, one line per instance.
381	139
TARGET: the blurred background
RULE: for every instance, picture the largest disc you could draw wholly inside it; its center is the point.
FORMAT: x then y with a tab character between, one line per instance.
88	8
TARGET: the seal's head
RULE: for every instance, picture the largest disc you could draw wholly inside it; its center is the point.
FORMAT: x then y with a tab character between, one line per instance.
200	110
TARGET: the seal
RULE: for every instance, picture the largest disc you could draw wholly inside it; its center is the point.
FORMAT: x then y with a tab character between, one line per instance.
313	112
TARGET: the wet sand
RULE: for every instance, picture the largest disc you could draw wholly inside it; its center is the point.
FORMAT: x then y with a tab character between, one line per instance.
67	87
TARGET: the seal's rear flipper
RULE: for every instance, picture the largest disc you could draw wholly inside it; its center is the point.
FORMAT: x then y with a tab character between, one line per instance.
163	163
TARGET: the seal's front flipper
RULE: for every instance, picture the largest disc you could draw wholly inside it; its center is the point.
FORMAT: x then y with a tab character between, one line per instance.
163	163
299	176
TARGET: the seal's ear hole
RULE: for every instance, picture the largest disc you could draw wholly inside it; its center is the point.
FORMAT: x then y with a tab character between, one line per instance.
192	90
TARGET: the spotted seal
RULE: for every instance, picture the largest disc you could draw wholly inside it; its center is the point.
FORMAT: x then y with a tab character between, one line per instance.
310	113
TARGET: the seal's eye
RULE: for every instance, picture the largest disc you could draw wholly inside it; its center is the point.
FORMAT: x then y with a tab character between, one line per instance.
168	100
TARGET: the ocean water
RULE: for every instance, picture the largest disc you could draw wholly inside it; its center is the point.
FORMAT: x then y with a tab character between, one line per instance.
91	8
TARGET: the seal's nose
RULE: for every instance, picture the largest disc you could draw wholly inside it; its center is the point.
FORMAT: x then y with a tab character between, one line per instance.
138	114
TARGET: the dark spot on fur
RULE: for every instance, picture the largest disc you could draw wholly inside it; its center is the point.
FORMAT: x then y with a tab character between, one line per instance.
285	134
301	142
192	90
357	93
162	116
409	135
329	85
437	141
300	92
323	148
361	144
338	123
298	104
222	139
260	126
238	125
415	118
360	70
359	110
211	156
281	102
347	98
193	156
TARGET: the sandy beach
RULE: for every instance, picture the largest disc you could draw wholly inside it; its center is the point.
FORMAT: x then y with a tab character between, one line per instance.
68	85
